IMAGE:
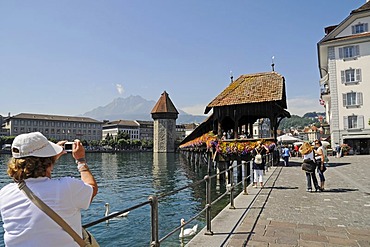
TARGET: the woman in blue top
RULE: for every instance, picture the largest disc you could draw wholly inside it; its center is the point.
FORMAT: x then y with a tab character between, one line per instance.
286	154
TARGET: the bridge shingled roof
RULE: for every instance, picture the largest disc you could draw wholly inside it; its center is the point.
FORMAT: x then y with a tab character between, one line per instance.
251	88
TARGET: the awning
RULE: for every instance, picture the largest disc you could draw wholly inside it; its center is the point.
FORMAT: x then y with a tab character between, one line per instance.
357	137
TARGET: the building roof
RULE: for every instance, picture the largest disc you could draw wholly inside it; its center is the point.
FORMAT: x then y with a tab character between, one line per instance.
251	88
353	36
54	118
364	7
130	123
164	105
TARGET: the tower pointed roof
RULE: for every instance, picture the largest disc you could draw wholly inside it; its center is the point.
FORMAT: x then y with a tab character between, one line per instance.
164	105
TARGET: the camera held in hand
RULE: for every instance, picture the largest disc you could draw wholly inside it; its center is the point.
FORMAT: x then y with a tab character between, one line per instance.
68	146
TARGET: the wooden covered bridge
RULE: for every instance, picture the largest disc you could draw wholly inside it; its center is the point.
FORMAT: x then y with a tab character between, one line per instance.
237	108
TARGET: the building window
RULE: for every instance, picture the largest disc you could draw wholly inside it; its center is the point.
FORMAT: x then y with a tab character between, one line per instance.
359	28
349	51
354	122
352	99
351	76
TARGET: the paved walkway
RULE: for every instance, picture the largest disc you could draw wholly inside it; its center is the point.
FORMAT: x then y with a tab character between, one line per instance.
284	214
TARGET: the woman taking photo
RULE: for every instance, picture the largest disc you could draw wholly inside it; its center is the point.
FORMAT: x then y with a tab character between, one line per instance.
32	162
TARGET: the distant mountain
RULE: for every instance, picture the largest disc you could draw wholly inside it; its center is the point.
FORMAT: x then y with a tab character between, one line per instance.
135	108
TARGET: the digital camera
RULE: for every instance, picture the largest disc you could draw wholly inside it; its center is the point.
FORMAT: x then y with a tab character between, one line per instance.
68	146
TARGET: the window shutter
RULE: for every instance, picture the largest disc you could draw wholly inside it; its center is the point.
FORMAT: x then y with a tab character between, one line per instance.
358	75
353	30
343	76
344	99
366	27
359	98
340	52
357	50
345	122
360	121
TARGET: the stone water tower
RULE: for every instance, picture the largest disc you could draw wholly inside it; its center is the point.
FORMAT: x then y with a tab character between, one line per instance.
164	115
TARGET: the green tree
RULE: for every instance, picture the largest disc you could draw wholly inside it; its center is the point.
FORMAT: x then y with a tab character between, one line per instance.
112	143
122	135
123	143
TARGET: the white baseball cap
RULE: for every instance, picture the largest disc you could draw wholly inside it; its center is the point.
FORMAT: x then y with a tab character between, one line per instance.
34	144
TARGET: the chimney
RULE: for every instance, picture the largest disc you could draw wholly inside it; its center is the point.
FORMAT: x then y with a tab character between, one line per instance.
330	28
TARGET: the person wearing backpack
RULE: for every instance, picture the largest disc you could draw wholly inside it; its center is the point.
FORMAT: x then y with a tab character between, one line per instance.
259	162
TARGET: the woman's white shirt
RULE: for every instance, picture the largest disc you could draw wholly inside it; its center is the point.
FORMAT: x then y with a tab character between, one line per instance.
26	225
309	156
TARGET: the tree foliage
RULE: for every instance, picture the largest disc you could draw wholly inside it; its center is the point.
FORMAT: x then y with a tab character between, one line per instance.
296	122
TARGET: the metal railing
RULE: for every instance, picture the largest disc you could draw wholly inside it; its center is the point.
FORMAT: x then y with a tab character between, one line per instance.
153	200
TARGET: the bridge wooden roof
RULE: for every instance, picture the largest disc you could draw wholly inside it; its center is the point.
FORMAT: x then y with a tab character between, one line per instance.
252	88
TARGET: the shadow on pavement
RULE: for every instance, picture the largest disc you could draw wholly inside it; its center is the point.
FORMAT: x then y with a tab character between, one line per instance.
337	164
339	190
282	188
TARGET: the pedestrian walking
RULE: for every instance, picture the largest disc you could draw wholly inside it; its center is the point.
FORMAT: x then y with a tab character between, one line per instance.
308	156
285	155
259	161
338	151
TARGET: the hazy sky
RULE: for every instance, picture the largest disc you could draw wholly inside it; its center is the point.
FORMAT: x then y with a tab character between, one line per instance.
69	57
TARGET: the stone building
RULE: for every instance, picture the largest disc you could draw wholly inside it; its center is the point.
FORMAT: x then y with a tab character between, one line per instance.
54	126
164	114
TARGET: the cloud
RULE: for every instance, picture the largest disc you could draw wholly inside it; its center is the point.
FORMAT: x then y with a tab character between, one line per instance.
120	88
301	105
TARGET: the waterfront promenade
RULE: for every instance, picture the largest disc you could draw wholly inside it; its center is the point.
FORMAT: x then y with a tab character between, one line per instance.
284	214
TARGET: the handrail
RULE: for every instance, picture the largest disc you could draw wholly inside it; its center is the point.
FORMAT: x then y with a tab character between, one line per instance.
154	201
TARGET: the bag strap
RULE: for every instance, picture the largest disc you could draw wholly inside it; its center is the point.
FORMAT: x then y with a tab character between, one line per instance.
51	213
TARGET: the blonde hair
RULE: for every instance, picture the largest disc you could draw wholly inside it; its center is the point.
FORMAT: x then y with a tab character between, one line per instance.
29	167
306	148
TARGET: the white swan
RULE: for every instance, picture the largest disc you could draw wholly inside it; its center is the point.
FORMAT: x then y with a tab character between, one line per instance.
188	231
118	216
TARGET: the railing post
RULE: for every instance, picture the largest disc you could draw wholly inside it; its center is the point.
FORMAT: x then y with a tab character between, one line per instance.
208	205
245	177
232	186
154	221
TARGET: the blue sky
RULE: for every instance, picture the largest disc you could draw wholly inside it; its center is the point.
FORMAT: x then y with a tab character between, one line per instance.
69	57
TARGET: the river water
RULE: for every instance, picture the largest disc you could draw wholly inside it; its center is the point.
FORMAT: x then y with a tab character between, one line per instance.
128	179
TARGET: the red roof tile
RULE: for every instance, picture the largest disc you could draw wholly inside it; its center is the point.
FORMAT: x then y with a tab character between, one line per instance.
164	105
